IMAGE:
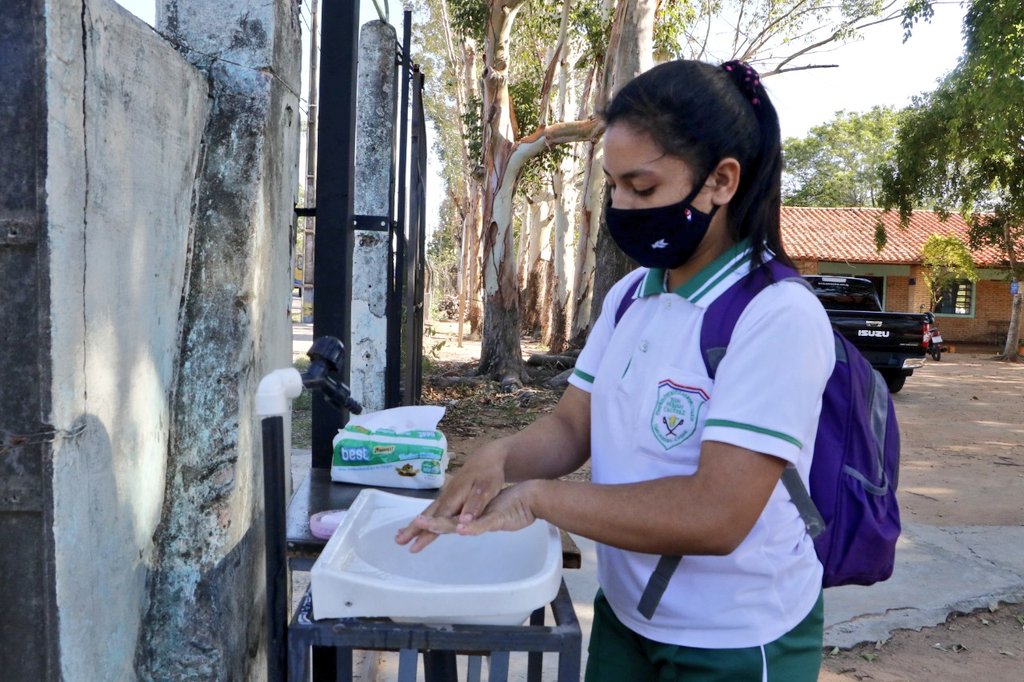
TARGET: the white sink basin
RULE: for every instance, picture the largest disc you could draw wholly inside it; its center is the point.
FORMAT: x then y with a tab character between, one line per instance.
494	578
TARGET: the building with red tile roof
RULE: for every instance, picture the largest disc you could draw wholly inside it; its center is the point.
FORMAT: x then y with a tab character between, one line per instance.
849	234
841	241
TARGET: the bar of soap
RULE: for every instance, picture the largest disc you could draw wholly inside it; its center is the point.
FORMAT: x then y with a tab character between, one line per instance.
323	524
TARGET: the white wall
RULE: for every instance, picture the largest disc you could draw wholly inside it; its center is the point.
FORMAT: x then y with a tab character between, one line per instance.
126	116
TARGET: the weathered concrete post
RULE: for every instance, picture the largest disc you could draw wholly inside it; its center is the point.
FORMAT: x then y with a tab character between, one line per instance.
374	184
205	618
146	191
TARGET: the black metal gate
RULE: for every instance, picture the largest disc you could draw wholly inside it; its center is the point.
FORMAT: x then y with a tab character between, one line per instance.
334	213
405	323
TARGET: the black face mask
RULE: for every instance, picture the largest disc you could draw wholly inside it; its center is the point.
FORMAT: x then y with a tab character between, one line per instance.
662	237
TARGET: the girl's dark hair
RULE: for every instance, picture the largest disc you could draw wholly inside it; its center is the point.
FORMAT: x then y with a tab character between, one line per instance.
702	114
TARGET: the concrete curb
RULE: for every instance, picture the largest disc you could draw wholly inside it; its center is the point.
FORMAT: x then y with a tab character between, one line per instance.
939	571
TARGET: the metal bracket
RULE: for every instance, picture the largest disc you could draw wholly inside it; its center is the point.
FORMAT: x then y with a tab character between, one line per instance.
305	211
373	223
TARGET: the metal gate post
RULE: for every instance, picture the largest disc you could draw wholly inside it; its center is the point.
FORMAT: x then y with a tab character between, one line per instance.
334	195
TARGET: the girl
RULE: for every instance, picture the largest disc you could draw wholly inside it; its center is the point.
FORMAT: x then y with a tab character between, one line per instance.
681	464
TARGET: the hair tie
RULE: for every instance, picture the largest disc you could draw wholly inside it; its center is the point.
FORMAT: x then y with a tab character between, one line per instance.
746	79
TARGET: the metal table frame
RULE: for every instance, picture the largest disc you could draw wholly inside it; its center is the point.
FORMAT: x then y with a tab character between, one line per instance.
439	643
382	634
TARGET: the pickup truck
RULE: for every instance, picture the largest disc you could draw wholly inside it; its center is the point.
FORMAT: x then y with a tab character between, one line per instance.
894	343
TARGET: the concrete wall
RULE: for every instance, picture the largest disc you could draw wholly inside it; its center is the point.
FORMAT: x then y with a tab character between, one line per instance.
146	195
124	129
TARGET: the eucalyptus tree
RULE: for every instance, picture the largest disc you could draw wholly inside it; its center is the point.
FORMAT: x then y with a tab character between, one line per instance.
505	151
617	41
630	52
449	36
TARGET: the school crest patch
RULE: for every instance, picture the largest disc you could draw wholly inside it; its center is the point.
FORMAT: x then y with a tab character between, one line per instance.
676	412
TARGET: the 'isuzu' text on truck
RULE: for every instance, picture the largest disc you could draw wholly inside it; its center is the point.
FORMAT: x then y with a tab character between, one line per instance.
894	343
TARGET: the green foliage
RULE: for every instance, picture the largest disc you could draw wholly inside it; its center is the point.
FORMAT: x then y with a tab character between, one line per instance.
591	26
915	11
473	120
469	18
536	31
670	23
444	249
525	96
962	143
443	87
948	261
838	163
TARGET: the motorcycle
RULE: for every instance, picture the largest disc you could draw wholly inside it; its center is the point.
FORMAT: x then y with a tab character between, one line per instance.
933	337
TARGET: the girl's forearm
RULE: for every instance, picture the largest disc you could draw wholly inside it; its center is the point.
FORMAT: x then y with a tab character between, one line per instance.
710	512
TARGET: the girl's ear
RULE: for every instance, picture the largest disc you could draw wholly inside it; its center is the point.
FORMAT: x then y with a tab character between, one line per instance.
723	181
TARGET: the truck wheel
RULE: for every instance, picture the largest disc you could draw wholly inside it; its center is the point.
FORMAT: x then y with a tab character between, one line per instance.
894	380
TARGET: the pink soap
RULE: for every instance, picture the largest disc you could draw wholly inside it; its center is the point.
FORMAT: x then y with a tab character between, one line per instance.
323	524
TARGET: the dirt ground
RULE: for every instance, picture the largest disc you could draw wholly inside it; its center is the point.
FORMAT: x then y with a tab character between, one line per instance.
962	427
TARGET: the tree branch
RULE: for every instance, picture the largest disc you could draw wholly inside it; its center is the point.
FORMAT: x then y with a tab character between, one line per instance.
556	55
564	132
777	71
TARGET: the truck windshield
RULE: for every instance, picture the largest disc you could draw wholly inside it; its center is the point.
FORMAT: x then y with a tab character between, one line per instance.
845	294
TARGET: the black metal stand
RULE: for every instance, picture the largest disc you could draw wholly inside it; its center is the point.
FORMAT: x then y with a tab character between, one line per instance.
434	641
330	642
276	557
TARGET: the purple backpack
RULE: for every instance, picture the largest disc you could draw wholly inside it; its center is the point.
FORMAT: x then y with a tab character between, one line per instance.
851	511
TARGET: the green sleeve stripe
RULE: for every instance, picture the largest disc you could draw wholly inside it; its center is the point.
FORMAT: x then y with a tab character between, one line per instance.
756	429
583	375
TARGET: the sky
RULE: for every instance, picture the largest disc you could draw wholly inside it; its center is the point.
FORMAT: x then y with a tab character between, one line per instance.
879	69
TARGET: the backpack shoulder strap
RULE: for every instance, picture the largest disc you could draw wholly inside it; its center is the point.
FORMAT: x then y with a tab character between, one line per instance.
631	294
721	316
716	332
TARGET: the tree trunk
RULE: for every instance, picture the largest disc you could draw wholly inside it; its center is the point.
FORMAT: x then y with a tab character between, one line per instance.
533	240
564	197
461	58
561	262
586	233
630	53
500	350
500	353
529	254
474	310
543	269
1013	333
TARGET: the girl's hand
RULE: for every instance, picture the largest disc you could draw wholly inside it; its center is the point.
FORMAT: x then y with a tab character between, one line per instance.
462	500
512	509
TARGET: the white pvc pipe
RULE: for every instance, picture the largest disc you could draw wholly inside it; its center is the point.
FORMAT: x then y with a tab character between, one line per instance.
276	392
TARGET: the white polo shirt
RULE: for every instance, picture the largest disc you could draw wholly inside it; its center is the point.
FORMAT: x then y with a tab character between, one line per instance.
653	404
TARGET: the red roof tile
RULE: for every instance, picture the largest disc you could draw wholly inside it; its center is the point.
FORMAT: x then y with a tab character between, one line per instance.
848	234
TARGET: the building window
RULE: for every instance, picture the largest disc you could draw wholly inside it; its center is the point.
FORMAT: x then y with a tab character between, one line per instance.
957	299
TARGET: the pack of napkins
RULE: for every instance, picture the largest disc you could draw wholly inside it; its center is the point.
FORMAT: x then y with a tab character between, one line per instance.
399	448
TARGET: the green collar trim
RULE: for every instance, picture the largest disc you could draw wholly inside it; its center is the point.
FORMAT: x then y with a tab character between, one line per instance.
734	258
